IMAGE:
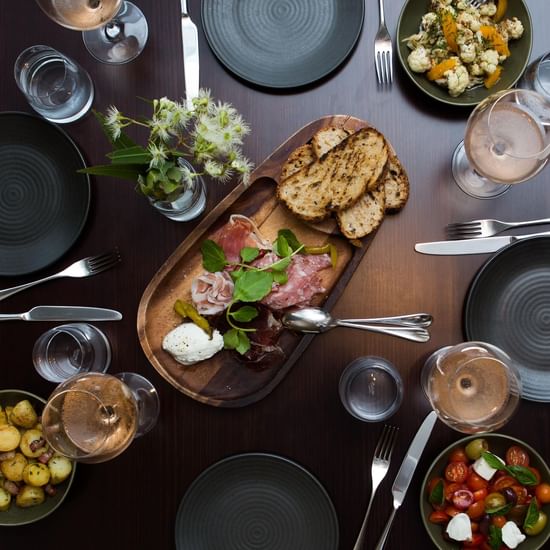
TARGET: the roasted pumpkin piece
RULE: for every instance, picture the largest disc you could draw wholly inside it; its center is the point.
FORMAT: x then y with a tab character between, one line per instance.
493	78
495	39
441	68
502	6
450	31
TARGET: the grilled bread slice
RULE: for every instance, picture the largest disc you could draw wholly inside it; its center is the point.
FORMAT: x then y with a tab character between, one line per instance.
396	183
337	179
300	157
327	138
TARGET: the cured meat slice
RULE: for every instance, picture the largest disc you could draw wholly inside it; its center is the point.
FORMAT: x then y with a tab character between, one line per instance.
212	292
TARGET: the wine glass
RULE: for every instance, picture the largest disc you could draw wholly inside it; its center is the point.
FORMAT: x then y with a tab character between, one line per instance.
93	417
473	386
115	31
507	141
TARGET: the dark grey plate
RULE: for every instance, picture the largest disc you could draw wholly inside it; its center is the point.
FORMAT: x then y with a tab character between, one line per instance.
252	501
508	305
43	201
282	44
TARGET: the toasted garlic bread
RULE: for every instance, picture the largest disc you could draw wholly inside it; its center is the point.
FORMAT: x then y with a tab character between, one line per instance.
300	157
396	183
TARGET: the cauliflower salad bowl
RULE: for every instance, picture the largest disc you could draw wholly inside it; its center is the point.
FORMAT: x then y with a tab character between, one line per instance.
460	55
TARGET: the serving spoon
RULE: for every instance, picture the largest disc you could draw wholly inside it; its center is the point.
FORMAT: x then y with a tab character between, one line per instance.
315	320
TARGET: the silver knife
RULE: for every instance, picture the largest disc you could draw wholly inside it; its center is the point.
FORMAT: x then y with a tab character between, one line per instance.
406	472
472	246
64	313
190	40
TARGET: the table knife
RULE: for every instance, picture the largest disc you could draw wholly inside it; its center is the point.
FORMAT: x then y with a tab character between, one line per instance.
406	472
472	246
190	41
64	313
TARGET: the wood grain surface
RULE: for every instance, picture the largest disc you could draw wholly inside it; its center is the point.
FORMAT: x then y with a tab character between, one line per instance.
131	502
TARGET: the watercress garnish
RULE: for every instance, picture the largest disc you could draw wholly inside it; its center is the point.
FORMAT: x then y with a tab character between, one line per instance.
213	256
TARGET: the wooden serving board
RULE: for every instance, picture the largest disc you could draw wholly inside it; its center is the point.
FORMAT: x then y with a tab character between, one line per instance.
224	380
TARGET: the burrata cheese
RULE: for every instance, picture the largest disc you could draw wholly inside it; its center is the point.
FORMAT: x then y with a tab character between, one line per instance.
189	344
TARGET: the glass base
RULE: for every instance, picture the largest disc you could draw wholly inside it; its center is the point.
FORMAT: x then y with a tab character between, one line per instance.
470	181
147	399
427	369
122	39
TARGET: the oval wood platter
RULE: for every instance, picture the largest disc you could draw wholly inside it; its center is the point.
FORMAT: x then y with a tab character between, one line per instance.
224	380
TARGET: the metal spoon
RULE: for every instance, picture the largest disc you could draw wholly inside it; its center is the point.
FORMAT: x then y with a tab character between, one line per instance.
316	320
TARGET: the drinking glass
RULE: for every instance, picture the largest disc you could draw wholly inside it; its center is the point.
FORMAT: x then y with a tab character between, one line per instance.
66	350
473	387
115	31
93	417
507	141
55	86
537	76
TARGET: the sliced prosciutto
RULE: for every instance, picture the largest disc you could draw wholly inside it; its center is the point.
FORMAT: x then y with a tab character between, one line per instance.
303	280
212	292
238	233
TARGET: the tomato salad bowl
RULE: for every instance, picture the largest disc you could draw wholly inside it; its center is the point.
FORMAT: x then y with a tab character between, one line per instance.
488	491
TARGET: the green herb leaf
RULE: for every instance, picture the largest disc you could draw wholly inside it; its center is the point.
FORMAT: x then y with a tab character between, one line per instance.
252	286
244	314
532	515
213	256
235	274
495	537
281	247
131	155
522	474
123	172
290	238
499	510
437	496
493	460
280	265
249	253
280	277
237	340
244	343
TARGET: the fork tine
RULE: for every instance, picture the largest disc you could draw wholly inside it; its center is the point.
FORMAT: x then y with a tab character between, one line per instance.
386	454
461	225
378	67
103	261
382	440
387	66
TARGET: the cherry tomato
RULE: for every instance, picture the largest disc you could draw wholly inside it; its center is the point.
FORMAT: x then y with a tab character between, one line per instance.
463	499
517	456
498	521
521	493
456	472
542	492
451	489
480	494
439	517
458	455
536	473
476	510
476	482
477	539
539	525
475	526
494	501
451	511
503	482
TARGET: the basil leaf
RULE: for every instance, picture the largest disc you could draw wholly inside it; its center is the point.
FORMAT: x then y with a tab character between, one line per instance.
499	510
493	460
281	247
213	256
249	253
290	238
280	277
244	314
495	537
522	474
280	265
532	515
252	286
437	496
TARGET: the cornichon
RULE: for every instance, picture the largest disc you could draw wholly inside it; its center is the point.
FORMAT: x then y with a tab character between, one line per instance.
328	248
188	311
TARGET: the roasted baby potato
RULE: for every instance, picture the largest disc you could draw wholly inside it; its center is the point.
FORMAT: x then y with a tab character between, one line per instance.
9	438
5	499
30	496
60	469
27	439
12	468
36	474
24	415
3	417
8	411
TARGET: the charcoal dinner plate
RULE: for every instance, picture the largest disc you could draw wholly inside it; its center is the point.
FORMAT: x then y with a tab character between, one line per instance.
43	201
508	305
282	44
255	500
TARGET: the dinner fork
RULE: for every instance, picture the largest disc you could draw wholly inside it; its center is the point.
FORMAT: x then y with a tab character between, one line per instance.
476	3
379	469
485	228
383	50
82	268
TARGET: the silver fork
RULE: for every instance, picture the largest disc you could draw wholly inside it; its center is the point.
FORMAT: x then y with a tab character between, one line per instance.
485	228
476	3
379	469
383	51
82	268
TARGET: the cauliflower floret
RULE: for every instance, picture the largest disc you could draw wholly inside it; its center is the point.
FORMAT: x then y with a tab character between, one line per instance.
488	61
438	4
511	29
416	40
457	80
428	20
468	21
475	70
419	60
488	9
468	53
464	36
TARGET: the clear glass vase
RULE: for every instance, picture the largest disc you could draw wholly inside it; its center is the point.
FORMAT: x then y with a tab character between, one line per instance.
189	205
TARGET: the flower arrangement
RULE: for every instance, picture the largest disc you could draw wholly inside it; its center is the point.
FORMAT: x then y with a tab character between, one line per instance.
210	135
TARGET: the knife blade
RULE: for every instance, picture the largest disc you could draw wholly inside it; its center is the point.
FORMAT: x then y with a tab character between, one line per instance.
64	313
472	246
406	471
190	41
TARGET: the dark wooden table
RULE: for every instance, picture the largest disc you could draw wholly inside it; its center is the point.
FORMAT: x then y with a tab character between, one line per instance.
132	501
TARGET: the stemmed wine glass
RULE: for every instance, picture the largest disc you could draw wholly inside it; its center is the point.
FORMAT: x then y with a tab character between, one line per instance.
507	141
115	31
93	417
473	386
